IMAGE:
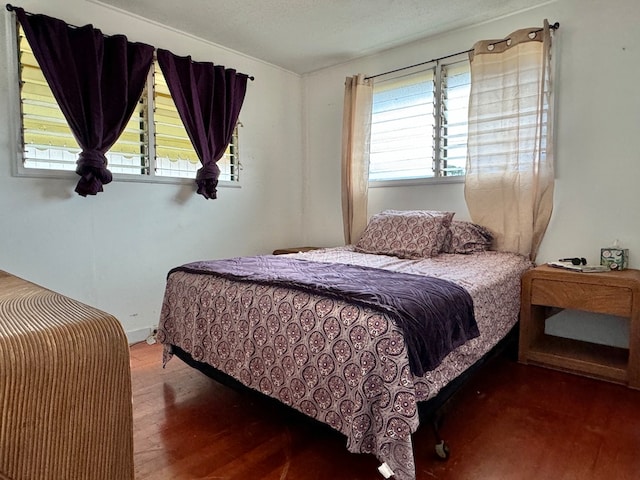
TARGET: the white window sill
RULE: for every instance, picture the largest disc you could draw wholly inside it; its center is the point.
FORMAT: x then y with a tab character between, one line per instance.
117	177
406	182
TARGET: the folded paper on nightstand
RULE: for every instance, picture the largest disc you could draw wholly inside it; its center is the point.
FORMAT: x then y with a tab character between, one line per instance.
579	268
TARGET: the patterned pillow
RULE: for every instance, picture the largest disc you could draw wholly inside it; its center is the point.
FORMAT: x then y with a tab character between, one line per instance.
467	237
405	234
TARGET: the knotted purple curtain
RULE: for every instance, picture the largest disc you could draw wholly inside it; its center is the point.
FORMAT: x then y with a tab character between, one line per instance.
208	98
96	80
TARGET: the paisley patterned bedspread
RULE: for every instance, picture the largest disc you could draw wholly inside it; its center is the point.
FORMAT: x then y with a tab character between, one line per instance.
341	363
434	315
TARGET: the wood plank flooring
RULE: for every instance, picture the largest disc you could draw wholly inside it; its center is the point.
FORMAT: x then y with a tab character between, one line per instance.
509	422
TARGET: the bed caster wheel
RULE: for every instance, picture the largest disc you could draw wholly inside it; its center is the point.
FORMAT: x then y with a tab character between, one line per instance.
442	450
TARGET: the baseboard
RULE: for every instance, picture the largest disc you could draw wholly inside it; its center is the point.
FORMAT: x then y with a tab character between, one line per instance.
140	335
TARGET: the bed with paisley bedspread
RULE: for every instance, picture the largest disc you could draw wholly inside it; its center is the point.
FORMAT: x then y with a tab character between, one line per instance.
344	363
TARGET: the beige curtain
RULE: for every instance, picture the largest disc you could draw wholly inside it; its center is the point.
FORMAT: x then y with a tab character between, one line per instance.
509	177
356	129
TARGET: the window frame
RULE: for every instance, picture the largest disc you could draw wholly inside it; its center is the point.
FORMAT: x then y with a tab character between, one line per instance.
438	178
17	136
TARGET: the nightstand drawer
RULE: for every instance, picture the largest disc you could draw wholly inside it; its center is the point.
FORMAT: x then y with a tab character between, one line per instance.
582	296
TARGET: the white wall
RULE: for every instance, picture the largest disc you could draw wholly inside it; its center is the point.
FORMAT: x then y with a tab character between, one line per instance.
598	130
113	250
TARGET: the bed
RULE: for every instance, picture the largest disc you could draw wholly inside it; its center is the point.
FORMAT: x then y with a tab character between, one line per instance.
338	359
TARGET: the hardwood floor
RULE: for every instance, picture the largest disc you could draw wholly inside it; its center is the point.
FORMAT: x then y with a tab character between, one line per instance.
509	422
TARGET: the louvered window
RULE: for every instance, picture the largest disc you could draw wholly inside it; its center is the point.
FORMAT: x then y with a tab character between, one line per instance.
175	156
419	123
162	151
48	141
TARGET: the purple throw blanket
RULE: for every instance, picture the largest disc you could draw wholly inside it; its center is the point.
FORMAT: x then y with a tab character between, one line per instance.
435	315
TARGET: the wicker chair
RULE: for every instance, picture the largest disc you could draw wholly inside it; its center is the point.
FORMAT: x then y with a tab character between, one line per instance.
65	388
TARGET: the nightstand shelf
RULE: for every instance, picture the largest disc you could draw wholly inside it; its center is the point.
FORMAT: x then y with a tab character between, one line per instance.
581	357
546	289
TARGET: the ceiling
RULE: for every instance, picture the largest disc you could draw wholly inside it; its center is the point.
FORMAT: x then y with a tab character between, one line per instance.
307	35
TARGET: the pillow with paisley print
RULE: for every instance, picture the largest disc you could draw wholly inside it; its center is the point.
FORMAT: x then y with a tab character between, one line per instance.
467	237
405	234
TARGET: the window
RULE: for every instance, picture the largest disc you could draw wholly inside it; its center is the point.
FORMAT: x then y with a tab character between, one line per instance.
154	144
419	123
175	156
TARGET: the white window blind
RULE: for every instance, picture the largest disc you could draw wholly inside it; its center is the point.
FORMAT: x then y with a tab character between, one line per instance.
419	123
402	126
455	86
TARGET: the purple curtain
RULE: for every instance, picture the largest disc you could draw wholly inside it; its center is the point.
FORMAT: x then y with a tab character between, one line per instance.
208	99
97	82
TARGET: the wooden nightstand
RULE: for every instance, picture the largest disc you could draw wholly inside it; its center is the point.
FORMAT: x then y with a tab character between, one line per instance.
545	290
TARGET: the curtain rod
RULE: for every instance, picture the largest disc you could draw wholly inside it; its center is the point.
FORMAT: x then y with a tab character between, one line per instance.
11	8
555	26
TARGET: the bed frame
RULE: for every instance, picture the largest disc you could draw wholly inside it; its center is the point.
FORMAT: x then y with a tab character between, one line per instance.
432	411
